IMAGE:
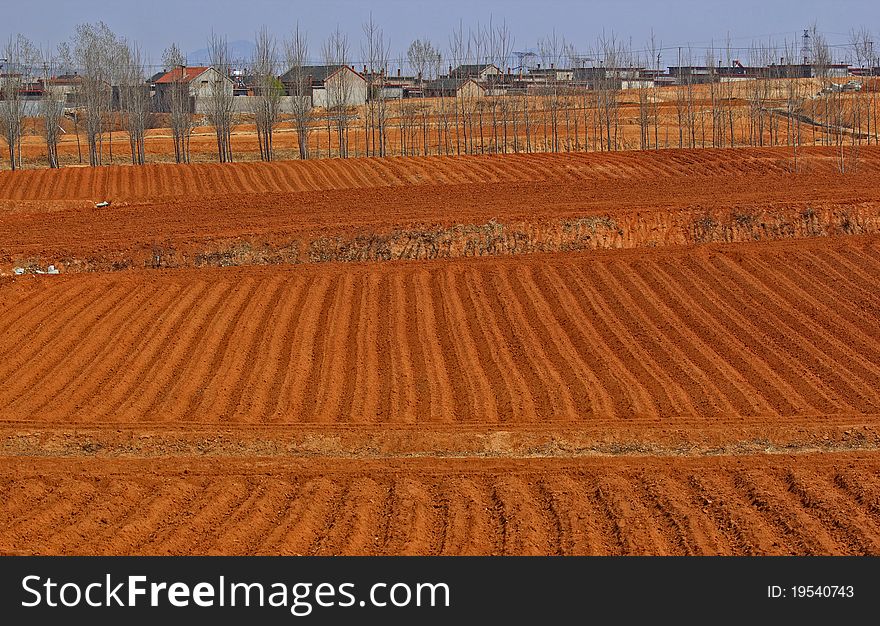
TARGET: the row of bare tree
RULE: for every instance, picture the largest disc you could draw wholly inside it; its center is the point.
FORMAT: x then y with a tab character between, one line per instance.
770	109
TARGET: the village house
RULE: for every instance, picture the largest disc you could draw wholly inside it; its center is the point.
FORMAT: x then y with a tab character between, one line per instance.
200	80
328	85
64	88
478	71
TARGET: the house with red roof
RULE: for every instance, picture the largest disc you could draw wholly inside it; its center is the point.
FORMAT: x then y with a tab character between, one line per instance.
200	80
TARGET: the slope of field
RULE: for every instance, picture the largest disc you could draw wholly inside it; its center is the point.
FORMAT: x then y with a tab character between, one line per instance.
152	182
808	504
757	331
246	214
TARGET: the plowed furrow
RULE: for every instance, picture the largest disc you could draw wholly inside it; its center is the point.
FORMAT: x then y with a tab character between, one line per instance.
472	526
626	393
181	375
854	531
355	520
47	326
75	374
445	407
507	362
302	520
712	390
457	346
500	395
431	403
587	394
221	366
406	405
259	356
833	335
310	350
335	384
639	338
205	516
632	529
811	349
275	381
710	350
32	367
858	302
771	344
545	366
364	403
858	487
796	532
149	349
723	326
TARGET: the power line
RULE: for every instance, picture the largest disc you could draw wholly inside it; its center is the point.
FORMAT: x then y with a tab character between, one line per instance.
574	54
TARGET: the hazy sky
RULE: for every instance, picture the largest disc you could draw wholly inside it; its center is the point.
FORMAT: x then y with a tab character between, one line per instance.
156	23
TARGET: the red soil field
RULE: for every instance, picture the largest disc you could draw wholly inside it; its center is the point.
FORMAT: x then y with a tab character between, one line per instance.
779	330
756	505
325	210
682	396
166	181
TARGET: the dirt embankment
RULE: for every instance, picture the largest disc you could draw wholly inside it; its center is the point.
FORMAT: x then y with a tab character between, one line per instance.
595	232
363	210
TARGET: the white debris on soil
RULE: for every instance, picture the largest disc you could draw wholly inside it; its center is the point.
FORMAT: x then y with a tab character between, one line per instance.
21	271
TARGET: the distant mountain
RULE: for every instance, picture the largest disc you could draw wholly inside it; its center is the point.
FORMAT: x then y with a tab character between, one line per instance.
238	51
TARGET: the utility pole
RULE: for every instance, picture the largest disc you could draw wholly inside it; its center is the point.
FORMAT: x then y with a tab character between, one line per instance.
805	46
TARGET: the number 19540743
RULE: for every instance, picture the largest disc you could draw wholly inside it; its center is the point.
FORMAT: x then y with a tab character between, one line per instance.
811	591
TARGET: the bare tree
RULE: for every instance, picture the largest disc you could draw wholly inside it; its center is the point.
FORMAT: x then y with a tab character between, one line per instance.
338	88
758	95
499	48
375	52
134	100
862	43
297	52
266	105
52	109
20	57
220	100
613	56
794	101
655	49
94	48
457	56
179	103
423	59
645	110
551	50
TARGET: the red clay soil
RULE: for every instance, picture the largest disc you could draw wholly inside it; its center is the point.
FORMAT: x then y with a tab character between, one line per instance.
760	332
670	399
167	181
759	505
372	209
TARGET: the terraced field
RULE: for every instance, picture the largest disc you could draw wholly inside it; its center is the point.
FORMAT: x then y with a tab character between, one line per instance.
208	180
681	396
722	505
422	208
778	330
